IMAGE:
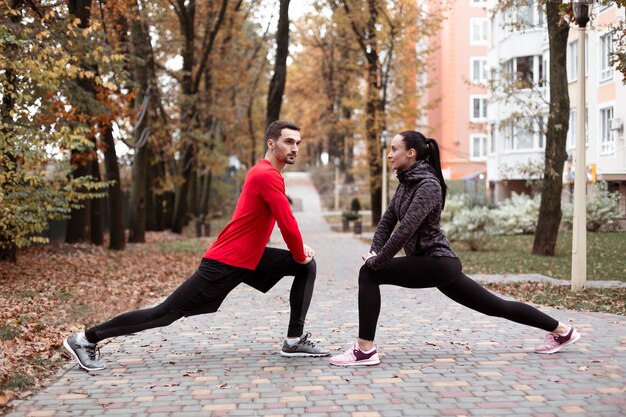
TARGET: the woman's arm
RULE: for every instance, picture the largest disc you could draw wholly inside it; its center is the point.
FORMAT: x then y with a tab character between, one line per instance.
425	200
385	227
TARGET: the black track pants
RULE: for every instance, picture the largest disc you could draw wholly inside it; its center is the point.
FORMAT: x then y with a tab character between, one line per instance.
445	274
207	288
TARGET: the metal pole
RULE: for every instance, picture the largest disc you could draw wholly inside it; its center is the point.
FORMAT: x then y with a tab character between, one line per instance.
336	185
579	233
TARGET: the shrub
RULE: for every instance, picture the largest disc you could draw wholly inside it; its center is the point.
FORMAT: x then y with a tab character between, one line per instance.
517	215
454	205
471	226
603	210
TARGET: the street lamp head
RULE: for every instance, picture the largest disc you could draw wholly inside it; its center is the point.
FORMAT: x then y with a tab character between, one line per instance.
384	136
581	11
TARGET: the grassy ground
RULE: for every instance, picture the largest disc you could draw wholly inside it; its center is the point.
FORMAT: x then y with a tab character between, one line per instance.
511	255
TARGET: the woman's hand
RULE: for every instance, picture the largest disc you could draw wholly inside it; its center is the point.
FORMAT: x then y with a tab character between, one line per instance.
368	255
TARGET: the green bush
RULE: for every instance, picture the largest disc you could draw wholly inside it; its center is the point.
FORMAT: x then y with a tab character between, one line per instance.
471	226
603	211
517	215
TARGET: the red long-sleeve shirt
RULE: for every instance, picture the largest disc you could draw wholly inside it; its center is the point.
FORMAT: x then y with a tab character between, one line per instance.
262	203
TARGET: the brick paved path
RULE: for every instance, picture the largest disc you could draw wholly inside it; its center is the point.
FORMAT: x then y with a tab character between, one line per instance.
438	358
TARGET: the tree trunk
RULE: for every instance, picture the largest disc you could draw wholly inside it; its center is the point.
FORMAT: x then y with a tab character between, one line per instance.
179	218
78	227
8	250
117	237
277	83
142	50
556	137
78	224
95	215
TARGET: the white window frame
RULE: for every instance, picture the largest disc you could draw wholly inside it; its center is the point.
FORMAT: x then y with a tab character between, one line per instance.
533	145
607	46
484	39
482	108
572	59
573	128
479	3
482	146
606	135
483	75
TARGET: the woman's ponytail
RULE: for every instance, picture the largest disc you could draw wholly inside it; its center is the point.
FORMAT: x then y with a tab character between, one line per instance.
435	160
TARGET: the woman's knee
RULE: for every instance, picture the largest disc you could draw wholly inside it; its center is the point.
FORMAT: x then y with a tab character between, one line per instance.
366	275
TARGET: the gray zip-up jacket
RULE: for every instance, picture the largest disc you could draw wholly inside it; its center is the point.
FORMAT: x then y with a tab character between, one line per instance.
416	204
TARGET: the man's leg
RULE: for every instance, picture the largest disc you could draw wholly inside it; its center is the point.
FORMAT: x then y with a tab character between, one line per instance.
273	266
203	292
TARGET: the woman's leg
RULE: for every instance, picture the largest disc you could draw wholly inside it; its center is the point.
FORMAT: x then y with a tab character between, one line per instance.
407	272
469	293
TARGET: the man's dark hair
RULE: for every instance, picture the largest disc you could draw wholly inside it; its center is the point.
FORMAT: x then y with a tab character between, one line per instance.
274	129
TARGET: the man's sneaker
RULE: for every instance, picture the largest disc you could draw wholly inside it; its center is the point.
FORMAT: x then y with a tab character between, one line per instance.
304	347
554	342
84	353
356	357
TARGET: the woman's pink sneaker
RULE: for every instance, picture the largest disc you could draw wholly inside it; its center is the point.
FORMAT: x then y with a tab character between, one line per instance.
356	357
554	342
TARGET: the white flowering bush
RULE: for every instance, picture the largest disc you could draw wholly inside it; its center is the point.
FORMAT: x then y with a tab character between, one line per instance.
603	211
517	215
454	205
470	225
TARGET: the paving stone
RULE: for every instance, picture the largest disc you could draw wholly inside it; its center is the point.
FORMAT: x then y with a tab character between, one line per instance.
438	358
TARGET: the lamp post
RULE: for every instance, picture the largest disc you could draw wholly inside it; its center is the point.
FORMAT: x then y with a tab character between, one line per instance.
579	233
383	140
337	162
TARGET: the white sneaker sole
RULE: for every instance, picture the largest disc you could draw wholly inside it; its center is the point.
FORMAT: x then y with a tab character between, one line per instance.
71	352
303	355
556	349
360	363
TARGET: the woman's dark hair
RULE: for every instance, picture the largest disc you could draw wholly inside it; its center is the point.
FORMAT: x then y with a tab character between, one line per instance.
427	149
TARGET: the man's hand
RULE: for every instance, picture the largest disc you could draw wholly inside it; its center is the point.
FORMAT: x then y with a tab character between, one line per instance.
310	254
368	255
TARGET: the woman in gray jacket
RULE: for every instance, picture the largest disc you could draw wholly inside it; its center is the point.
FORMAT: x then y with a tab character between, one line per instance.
429	260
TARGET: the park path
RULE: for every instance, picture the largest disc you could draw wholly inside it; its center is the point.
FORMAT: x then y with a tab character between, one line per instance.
438	358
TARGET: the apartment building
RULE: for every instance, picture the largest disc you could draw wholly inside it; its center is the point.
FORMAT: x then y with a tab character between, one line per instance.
458	94
519	48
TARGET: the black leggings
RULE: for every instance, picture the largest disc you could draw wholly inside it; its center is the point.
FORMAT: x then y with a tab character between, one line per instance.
207	288
445	274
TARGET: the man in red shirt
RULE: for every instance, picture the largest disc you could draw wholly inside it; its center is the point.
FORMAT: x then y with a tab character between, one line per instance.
238	255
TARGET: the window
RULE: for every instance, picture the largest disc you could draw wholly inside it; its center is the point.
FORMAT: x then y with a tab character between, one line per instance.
607	140
478	70
508	132
478	147
525	14
494	136
606	51
572	131
478	110
572	61
478	31
525	70
524	138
